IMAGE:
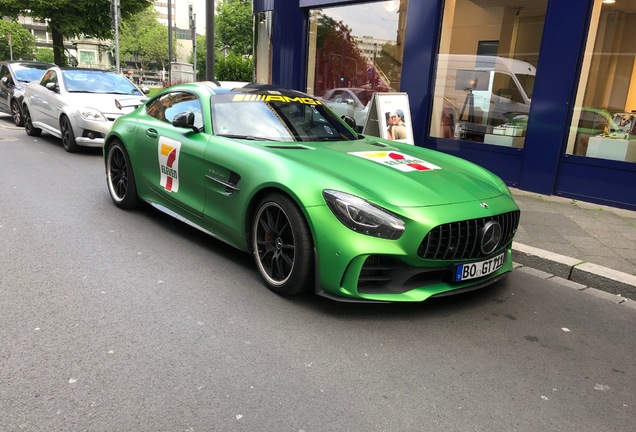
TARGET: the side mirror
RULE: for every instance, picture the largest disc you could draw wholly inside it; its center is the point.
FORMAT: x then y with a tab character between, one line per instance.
52	86
5	80
349	121
185	120
350	102
145	90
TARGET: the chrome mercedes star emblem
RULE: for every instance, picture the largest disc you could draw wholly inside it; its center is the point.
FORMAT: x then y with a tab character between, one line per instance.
491	235
484	205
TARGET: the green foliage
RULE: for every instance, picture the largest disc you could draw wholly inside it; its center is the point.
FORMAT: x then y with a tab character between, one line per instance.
234	68
44	55
22	42
71	18
234	26
144	39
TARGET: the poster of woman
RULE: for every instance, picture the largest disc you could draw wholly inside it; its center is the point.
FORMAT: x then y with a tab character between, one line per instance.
390	117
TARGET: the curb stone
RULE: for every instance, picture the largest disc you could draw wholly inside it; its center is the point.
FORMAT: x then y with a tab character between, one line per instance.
602	281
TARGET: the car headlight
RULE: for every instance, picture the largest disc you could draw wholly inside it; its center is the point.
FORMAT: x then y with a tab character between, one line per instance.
363	217
91	114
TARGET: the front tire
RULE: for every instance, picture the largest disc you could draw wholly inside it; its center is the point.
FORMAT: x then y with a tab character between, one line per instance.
68	137
120	177
16	113
28	124
283	246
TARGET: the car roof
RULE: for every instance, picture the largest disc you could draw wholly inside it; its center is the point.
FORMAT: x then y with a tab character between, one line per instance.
27	62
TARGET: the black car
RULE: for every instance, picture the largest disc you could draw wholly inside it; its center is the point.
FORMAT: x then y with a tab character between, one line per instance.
14	76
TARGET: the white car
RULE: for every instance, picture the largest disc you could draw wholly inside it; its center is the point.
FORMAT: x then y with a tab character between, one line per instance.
351	102
78	105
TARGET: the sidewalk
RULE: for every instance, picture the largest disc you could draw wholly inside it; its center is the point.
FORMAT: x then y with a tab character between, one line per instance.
588	244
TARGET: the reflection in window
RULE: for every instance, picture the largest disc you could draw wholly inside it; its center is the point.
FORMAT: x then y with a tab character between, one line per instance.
485	71
358	50
166	107
263	31
603	118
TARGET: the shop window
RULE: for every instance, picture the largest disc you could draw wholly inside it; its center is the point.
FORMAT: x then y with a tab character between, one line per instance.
485	70
263	31
605	108
355	51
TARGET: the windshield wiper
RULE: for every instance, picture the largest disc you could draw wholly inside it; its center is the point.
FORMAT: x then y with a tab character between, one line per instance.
246	137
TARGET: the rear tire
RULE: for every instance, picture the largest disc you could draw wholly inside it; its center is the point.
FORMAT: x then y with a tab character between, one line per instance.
283	246
120	177
28	124
68	137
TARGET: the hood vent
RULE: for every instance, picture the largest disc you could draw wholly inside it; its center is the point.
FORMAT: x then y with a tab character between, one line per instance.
289	147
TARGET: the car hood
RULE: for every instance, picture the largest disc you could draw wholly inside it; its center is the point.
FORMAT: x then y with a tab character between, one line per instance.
398	174
106	102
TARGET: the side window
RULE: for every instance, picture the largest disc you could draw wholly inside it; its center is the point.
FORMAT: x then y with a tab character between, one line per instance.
337	97
4	73
171	104
49	77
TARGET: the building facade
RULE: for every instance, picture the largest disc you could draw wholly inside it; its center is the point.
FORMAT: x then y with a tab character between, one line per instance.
541	92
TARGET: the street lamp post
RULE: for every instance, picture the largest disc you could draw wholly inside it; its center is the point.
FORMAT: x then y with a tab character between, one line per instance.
169	42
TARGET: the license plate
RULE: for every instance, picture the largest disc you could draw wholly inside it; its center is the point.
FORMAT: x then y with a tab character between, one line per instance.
478	269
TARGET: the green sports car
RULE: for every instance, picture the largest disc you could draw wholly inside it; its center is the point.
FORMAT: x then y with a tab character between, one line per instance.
277	174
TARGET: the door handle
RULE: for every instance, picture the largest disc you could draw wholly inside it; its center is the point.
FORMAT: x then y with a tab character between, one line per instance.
151	133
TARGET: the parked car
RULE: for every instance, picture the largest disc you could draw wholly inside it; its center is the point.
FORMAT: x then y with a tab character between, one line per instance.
14	76
322	209
78	105
350	102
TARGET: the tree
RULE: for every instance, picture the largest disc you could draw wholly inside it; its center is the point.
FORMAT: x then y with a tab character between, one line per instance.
22	42
234	26
44	55
72	18
144	39
234	68
339	61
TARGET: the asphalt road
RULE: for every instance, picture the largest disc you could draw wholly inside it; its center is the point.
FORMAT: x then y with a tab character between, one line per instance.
118	320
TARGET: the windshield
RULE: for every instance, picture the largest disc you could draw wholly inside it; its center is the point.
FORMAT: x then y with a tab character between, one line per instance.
27	72
364	96
94	81
275	117
527	83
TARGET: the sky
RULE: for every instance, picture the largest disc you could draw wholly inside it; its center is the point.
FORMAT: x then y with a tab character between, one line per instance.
371	19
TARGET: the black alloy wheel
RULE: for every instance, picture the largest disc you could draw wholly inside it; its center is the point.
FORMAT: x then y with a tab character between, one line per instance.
120	177
28	124
68	137
283	246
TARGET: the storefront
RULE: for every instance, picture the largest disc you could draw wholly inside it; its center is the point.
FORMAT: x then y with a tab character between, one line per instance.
541	92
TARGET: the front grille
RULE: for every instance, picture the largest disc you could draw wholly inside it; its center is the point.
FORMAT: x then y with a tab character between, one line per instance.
460	240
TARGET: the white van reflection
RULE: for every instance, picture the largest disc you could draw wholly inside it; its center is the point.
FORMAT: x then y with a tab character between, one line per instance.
475	93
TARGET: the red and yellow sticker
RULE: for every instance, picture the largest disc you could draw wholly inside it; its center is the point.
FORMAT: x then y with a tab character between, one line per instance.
397	160
169	163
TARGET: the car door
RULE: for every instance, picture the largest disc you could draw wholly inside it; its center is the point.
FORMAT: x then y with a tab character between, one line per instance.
172	158
5	84
41	101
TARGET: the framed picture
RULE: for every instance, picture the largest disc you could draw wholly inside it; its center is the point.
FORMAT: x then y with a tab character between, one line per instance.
390	117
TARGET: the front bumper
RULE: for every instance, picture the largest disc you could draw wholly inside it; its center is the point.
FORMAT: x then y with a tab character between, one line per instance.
355	267
90	133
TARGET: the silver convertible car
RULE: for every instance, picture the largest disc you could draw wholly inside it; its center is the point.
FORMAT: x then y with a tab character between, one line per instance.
78	105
